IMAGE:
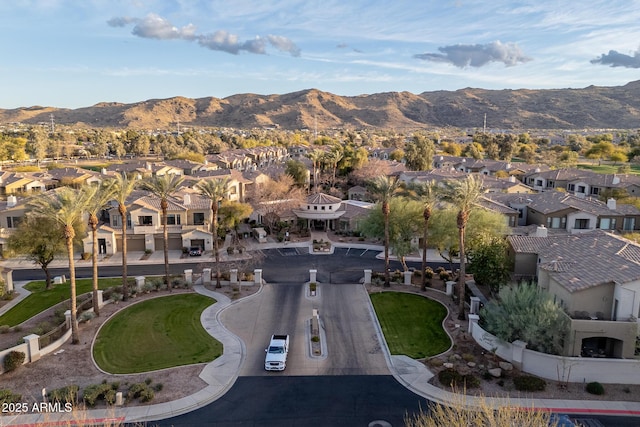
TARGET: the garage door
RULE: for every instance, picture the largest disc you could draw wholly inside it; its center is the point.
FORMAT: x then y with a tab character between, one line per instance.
134	244
175	243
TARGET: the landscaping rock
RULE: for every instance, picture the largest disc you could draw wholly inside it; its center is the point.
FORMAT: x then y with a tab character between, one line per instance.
471	364
448	365
495	372
457	357
506	366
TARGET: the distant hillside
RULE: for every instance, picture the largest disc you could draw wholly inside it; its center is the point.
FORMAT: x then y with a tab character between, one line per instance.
591	107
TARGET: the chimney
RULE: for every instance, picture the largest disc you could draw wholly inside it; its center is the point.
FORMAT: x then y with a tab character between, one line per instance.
541	231
12	201
187	199
611	204
615	180
512	178
103	171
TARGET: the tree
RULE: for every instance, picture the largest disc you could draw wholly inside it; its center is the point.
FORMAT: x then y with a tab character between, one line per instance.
65	206
384	188
332	158
419	153
97	198
216	191
233	213
489	263
526	312
405	221
123	187
298	171
274	197
163	187
40	239
315	156
427	193
464	194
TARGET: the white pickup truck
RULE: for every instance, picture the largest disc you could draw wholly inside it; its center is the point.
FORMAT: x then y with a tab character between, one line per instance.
276	358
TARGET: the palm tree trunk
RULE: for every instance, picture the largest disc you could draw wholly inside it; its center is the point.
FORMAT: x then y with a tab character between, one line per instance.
461	280
75	338
214	235
165	246
387	276
94	265
425	233
125	285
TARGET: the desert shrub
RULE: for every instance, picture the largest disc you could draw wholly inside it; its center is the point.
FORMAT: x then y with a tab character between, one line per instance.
468	357
148	381
116	297
7	396
13	360
42	328
67	394
147	287
315	338
158	387
86	316
147	395
452	378
444	275
529	383
103	391
428	272
4	329
595	388
86	256
177	282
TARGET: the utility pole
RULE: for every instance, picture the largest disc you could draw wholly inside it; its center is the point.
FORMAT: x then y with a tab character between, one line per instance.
484	126
53	126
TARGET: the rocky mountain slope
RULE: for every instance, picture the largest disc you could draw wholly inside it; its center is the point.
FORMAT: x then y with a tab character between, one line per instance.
591	107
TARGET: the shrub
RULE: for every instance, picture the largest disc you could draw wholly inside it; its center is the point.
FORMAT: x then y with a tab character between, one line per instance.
67	394
158	387
116	296
148	251
135	390
13	360
4	329
86	256
315	338
313	286
529	383
595	388
7	396
147	395
428	272
452	378
86	316
444	275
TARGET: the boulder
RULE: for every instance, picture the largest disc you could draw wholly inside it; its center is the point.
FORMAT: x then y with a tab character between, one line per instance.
448	365
471	364
495	372
506	366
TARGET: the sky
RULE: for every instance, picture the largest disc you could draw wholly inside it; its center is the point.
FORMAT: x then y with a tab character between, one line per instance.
76	53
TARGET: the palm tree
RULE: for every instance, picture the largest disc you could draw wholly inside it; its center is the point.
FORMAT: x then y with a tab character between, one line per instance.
123	187
426	193
464	194
316	157
66	206
215	190
334	158
384	188
97	198
163	187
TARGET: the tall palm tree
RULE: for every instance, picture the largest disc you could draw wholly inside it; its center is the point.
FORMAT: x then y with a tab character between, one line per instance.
464	194
163	187
384	188
215	190
123	187
427	193
66	206
315	156
334	158
97	198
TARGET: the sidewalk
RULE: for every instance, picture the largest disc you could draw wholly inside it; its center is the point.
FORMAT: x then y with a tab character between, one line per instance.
221	374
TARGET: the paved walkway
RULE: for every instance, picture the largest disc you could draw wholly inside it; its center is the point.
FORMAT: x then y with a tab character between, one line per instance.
221	374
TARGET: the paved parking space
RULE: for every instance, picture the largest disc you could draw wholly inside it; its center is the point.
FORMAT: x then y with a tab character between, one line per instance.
356	252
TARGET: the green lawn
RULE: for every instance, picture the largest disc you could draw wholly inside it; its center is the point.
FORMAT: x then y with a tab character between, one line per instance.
40	299
155	334
608	169
412	324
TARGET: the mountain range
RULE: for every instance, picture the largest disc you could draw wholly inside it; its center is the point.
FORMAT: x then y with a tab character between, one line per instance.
592	107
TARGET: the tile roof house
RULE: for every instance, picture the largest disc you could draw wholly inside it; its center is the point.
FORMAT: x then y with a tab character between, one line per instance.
595	277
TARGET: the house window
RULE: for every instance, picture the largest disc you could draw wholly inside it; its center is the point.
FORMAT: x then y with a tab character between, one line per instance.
550	184
173	219
594	191
556	222
116	220
581	189
582	224
322	207
571	187
315	208
198	218
607	223
330	208
145	220
13	221
538	183
629	224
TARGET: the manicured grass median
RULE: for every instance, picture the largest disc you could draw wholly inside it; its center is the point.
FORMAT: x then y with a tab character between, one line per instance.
154	334
412	324
41	299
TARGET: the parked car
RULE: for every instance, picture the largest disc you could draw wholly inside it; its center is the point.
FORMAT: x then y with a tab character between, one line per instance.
195	251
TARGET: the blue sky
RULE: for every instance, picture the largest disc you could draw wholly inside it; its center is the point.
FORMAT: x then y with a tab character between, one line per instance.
76	53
